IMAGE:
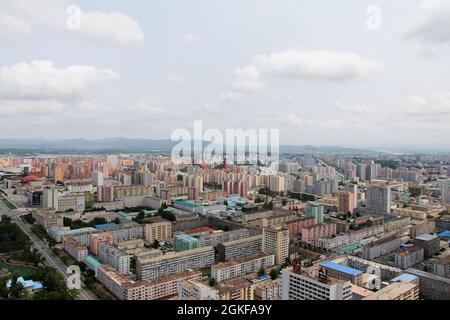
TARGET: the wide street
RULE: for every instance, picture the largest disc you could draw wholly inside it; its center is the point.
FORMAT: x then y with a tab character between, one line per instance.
51	259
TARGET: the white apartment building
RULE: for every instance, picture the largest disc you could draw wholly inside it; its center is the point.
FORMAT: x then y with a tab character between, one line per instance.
74	249
381	247
215	238
237	268
409	257
126	289
312	286
237	249
109	254
172	263
194	289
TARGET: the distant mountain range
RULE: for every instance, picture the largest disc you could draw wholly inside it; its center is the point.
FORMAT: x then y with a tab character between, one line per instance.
125	145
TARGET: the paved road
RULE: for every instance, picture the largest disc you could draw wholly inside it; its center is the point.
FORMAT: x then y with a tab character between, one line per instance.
50	258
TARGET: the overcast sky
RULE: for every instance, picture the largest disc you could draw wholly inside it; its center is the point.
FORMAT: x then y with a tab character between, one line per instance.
350	72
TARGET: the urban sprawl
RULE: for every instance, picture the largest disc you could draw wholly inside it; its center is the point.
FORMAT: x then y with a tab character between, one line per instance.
308	227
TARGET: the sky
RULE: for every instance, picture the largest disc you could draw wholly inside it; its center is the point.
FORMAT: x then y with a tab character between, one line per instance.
352	73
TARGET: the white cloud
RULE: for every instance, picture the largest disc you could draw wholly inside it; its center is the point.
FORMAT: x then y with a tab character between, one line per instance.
108	27
191	39
230	96
113	27
41	79
12	29
353	109
294	121
246	79
12	108
434	23
438	104
153	107
173	78
208	107
317	65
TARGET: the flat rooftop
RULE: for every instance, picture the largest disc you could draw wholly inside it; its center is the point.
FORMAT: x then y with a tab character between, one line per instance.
426	237
341	268
392	291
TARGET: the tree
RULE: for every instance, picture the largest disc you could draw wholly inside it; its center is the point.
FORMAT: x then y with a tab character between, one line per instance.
155	244
212	282
284	202
67	222
261	272
288	261
140	216
274	274
16	289
168	216
117	221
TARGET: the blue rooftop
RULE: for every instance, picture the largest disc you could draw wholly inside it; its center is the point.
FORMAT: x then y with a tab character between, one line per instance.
405	277
105	225
444	234
426	237
341	268
36	285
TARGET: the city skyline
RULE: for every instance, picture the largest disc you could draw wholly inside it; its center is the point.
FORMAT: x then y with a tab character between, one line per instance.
325	73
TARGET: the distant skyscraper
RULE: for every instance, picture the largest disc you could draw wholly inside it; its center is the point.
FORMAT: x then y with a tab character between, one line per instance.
105	193
379	198
445	191
97	178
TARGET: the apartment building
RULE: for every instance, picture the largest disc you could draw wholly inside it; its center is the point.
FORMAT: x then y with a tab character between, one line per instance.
47	218
236	289
130	244
74	249
276	241
310	285
126	289
431	287
408	257
349	238
161	231
397	291
386	272
381	247
119	260
429	243
213	239
268	290
237	268
316	231
196	290
236	249
174	263
296	226
126	191
442	267
97	238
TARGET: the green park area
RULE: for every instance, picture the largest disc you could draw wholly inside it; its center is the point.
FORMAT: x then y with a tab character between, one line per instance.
23	271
